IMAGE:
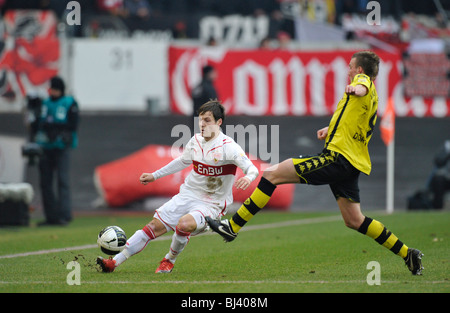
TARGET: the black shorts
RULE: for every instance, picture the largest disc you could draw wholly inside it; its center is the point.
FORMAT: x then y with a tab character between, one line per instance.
329	168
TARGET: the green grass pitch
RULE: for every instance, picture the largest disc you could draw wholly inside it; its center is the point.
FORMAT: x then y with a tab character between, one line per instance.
275	253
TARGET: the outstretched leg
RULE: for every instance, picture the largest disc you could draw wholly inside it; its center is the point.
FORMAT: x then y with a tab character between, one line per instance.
135	244
282	173
354	219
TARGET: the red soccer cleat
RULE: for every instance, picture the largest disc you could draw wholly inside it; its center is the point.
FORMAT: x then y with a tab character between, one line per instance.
107	265
165	266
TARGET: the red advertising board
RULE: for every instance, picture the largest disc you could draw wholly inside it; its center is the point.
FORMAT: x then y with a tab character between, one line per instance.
254	82
118	181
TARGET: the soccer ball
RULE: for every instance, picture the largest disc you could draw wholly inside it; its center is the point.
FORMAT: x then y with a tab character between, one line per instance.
112	240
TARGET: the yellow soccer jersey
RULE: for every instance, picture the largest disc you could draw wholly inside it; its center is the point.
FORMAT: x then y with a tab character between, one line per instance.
352	125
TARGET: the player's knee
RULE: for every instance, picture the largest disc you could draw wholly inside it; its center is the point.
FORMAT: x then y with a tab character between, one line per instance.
186	224
271	176
353	222
281	173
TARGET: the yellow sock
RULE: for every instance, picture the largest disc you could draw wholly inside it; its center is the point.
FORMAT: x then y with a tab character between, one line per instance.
383	236
258	199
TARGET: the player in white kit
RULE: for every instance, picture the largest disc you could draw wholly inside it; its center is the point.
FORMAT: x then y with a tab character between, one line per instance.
206	191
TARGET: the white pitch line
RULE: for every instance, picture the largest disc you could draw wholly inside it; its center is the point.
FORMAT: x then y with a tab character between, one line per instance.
204	282
305	221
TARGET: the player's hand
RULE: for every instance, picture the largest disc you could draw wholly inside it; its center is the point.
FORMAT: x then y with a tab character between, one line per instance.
242	183
358	90
350	89
146	178
322	133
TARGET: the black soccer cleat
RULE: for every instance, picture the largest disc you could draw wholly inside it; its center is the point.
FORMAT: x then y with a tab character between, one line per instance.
223	228
413	261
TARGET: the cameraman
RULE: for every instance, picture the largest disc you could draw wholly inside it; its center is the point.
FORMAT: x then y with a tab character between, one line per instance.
56	133
438	184
439	181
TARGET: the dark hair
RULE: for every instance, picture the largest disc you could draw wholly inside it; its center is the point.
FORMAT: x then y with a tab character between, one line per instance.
57	83
207	69
369	61
215	107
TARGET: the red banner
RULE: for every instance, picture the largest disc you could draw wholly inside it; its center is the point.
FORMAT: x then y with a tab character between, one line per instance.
30	52
254	82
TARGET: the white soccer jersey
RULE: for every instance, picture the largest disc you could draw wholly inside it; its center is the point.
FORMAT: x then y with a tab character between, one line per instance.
214	167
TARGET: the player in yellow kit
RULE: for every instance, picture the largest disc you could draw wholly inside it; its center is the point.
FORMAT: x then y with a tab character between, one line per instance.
343	158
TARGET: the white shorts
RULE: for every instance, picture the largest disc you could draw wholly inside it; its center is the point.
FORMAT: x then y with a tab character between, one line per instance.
174	209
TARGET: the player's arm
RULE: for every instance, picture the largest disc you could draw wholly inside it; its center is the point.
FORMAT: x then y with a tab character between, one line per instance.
146	178
250	170
250	175
174	166
357	90
322	133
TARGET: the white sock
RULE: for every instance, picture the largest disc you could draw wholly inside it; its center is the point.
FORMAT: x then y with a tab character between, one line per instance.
179	240
135	244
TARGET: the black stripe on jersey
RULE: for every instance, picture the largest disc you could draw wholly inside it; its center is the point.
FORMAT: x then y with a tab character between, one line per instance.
337	122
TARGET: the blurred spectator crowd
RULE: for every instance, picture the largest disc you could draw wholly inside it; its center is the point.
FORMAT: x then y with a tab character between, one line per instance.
182	17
